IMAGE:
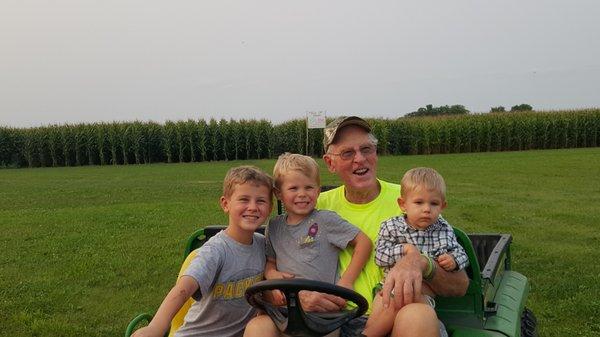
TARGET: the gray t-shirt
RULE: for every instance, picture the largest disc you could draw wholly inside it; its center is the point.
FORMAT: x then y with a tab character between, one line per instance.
224	269
309	249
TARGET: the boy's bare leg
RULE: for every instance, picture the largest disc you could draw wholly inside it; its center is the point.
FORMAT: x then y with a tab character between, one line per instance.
381	320
261	326
416	319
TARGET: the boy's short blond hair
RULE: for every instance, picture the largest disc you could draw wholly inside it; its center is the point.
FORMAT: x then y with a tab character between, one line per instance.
244	174
295	162
422	177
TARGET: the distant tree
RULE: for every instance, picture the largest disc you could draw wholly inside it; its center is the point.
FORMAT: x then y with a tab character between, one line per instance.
430	110
498	109
426	111
521	107
456	109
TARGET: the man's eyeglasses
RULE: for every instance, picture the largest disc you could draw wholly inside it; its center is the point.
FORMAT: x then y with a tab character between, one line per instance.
366	151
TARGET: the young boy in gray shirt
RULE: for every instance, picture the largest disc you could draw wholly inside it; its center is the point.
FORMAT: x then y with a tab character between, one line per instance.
305	242
224	267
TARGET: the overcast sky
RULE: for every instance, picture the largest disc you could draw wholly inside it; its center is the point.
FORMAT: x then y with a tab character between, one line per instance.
86	61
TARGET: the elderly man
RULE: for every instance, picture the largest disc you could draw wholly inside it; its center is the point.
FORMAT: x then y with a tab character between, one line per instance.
366	201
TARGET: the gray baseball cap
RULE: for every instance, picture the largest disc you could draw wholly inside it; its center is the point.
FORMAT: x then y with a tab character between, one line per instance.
339	123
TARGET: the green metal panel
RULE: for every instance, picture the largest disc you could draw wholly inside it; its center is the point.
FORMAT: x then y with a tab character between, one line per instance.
473	269
469	332
510	300
193	242
466	310
493	272
461	311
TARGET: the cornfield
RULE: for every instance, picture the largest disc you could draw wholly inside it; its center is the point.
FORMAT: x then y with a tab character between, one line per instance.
198	140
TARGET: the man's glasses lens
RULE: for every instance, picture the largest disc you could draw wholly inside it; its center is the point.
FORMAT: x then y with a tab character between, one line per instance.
365	151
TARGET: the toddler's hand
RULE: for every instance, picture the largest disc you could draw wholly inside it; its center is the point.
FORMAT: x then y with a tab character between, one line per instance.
277	297
447	262
276	274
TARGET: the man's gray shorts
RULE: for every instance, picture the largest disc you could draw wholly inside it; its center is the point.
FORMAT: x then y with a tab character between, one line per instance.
355	327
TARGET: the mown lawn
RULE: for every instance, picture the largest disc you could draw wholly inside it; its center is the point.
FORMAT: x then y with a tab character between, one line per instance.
85	249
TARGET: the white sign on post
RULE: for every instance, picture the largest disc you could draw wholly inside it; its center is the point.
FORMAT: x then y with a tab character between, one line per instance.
315	119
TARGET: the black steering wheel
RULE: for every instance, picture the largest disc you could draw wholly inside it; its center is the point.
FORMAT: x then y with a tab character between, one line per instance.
293	320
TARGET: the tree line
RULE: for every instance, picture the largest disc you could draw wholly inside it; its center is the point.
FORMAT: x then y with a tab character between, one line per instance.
457	109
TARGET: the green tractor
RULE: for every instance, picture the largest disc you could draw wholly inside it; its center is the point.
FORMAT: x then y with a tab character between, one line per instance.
493	306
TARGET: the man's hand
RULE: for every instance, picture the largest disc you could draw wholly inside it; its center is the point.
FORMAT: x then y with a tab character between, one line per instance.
319	302
447	262
403	282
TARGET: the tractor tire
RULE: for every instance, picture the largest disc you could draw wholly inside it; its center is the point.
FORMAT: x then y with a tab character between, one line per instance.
528	324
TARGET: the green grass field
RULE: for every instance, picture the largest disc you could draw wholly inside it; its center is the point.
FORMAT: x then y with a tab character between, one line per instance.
85	249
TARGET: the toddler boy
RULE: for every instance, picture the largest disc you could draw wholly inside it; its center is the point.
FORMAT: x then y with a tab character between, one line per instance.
422	199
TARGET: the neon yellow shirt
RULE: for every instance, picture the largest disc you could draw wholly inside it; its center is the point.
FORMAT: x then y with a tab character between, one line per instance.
367	217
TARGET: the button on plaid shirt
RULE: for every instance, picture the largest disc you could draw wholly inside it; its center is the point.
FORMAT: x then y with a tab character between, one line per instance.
434	241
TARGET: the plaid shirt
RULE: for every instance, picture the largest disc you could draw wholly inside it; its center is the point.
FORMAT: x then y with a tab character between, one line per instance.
434	241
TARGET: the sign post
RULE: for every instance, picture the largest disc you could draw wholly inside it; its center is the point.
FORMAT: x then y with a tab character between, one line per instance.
314	120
